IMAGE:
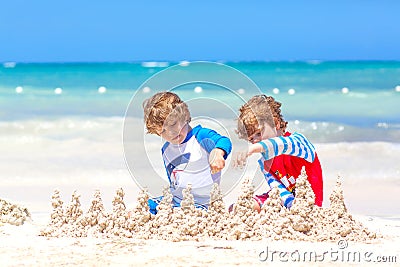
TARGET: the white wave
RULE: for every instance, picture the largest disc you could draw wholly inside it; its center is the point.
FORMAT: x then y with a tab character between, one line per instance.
155	64
358	94
184	63
314	62
9	65
359	161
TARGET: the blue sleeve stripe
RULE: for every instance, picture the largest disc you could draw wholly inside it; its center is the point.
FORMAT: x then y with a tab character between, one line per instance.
275	146
301	143
293	146
306	148
308	145
299	154
300	147
285	145
266	153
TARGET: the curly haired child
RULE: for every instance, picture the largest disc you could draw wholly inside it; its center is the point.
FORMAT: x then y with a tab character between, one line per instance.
283	154
193	156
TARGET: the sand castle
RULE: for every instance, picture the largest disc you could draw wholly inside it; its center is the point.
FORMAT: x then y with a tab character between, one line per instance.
303	222
12	213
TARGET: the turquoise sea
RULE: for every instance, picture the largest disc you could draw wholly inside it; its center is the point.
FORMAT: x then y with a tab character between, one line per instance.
330	101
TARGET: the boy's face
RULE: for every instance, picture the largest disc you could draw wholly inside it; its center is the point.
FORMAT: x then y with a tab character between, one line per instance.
174	132
262	134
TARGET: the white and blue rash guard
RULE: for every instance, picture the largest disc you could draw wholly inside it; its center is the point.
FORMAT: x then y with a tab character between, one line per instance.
188	163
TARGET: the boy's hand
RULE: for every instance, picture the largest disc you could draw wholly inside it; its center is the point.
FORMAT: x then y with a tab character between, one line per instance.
216	160
240	158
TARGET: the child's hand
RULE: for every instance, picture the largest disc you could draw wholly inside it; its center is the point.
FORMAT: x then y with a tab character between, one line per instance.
216	160
240	158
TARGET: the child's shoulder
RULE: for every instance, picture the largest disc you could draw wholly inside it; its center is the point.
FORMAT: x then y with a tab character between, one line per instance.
201	132
294	134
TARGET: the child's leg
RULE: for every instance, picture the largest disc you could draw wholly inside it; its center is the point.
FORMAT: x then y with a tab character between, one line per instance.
287	197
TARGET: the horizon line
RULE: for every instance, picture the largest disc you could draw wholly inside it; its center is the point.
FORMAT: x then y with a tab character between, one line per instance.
315	61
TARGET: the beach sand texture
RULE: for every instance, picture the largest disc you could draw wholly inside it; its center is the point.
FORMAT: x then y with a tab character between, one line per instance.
186	236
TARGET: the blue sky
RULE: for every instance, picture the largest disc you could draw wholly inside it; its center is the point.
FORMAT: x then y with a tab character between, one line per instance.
76	31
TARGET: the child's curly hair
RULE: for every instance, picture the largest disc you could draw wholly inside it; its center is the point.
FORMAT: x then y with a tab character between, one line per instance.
258	110
164	107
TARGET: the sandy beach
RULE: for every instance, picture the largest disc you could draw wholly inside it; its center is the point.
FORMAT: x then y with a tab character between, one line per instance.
23	246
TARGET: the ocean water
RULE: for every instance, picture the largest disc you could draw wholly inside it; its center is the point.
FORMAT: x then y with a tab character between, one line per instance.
331	101
63	124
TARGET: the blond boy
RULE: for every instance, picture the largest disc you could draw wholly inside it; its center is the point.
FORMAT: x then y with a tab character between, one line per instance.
193	156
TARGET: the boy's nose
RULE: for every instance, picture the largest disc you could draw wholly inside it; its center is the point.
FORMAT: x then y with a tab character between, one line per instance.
173	131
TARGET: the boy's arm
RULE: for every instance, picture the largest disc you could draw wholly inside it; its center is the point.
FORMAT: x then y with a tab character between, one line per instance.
210	139
294	145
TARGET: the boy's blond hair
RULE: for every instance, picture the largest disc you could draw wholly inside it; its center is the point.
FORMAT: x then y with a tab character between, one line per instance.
260	109
162	108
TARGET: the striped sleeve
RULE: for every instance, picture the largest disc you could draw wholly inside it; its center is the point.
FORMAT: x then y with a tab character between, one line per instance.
294	145
286	196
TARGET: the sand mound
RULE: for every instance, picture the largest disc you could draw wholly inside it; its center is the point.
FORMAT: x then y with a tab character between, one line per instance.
304	221
13	213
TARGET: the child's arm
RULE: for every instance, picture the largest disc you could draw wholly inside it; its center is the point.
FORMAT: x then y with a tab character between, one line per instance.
218	146
210	139
294	145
